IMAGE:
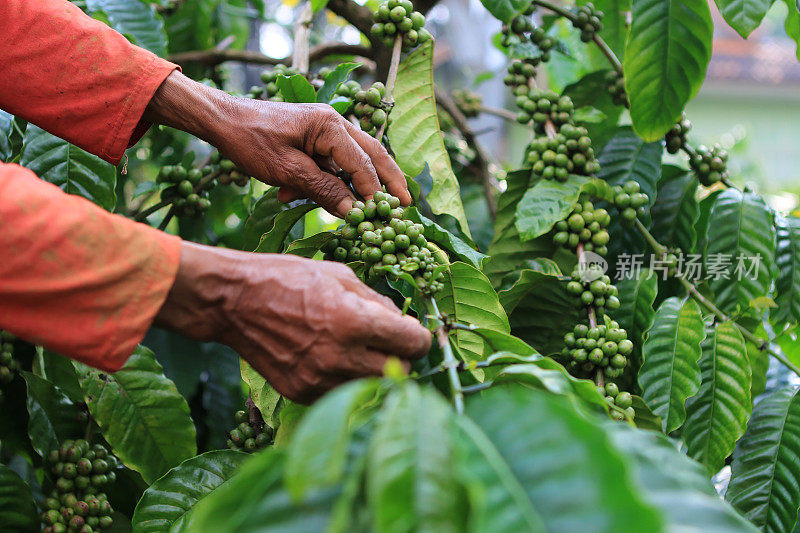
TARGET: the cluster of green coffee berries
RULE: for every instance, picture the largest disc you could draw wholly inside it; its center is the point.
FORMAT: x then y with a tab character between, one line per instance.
675	139
249	437
615	85
468	102
710	164
593	290
622	400
543	106
184	192
588	348
588	20
369	109
630	201
78	504
536	35
377	233
584	225
8	365
568	152
518	27
397	17
270	78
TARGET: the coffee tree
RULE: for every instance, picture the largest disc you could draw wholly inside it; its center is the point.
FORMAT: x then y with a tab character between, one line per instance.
596	362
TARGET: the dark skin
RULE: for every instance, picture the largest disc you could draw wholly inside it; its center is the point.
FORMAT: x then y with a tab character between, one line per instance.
305	325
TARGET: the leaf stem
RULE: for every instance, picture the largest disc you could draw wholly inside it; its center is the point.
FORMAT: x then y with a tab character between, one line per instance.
499	112
450	362
391	79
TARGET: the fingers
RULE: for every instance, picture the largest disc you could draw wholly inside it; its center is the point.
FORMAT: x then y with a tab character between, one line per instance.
346	152
388	171
326	189
395	334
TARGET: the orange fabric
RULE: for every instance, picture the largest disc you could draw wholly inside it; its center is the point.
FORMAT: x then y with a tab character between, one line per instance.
74	76
73	277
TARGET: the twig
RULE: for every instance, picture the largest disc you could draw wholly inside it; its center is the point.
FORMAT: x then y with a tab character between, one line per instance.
481	158
316	53
302	33
471	389
391	79
450	361
499	112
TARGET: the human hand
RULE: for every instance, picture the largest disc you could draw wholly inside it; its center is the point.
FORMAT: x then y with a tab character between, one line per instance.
305	325
293	146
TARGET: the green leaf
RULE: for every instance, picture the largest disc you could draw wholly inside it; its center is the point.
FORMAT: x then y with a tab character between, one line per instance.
446	240
792	23
410	479
555	454
741	230
540	310
507	252
134	19
335	78
505	10
255	501
670	373
744	15
627	157
549	201
666	55
635	313
766	464
296	89
264	396
141	414
677	486
272	241
318	456
168	504
309	246
262	217
787	258
58	370
53	417
645	419
676	211
716	417
17	508
69	167
415	135
317	5
469	298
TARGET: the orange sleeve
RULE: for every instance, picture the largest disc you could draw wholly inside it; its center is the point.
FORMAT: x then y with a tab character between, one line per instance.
75	278
74	76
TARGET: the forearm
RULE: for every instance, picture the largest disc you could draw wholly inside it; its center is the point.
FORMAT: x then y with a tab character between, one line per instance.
75	278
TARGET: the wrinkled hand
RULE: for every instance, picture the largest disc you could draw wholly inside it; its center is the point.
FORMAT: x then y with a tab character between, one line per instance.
293	146
305	325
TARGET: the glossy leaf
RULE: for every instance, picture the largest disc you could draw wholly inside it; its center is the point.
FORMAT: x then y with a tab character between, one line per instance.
168	504
676	211
17	508
134	19
792	23
555	453
262	217
309	246
744	15
141	414
787	258
670	373
635	313
272	241
469	298
58	370
456	248
296	89
549	201
717	415
741	247
266	398
677	486
626	157
410	477
318	456
52	416
666	55
334	79
766	464
415	136
540	310
69	167
505	10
